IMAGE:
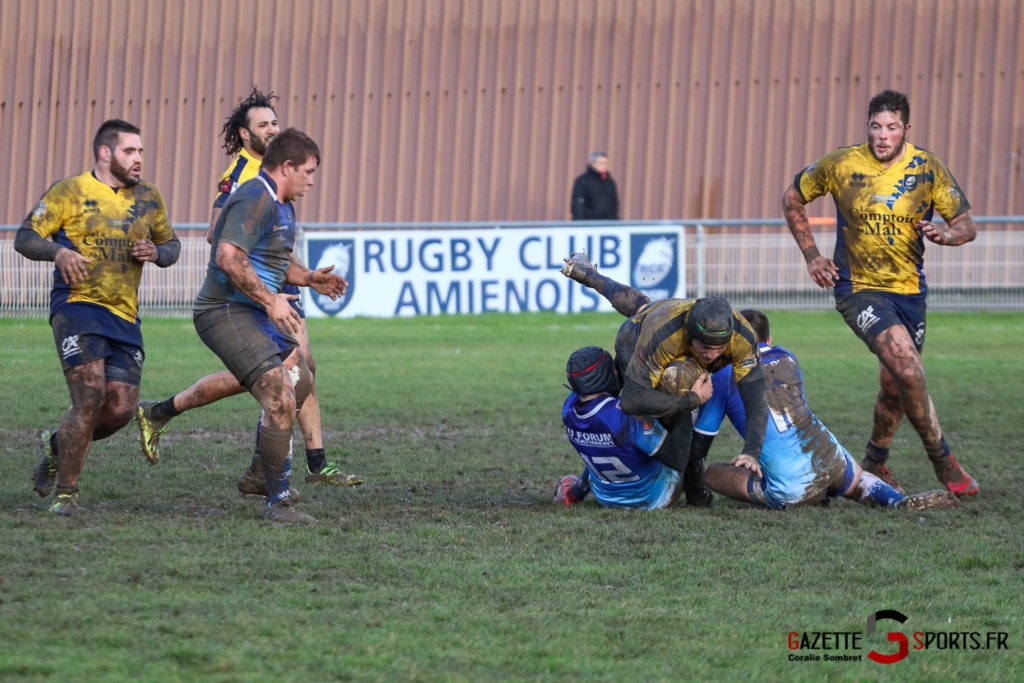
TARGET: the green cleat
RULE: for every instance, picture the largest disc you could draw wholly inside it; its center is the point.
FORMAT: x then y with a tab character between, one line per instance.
65	504
150	431
330	475
45	474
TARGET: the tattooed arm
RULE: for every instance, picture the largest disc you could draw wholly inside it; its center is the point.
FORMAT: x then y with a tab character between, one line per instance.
960	230
235	263
821	268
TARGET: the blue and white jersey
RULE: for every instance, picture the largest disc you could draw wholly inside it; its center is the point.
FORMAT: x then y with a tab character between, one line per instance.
800	455
264	228
617	450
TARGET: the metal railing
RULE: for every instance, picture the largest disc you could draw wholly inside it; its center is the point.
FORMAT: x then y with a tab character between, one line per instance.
762	268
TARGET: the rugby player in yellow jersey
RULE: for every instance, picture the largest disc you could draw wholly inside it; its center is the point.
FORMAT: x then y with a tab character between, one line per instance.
247	132
99	228
886	192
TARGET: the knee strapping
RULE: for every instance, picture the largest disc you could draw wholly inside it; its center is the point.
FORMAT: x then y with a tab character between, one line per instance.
302	381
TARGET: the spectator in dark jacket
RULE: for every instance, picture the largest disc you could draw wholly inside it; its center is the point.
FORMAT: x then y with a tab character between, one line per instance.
594	195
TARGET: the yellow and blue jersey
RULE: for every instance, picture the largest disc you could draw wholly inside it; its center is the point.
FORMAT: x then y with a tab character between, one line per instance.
662	339
243	168
878	244
88	216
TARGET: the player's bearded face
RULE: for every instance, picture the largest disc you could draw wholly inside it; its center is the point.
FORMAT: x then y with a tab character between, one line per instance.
262	126
886	135
126	161
258	142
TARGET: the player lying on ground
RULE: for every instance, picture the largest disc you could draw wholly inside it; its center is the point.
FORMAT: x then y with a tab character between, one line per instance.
786	477
657	335
801	462
631	462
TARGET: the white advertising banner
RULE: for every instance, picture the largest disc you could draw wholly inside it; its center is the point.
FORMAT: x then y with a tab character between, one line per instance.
393	273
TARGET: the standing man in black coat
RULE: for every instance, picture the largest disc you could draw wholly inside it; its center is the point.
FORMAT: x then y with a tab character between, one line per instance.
594	195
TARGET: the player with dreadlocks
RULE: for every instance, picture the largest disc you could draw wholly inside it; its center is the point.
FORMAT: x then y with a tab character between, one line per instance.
246	133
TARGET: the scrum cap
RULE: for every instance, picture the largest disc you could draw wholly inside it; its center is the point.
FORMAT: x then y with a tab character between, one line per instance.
590	371
710	321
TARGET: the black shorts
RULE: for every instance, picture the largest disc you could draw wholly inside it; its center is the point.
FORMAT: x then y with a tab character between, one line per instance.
245	339
79	342
871	312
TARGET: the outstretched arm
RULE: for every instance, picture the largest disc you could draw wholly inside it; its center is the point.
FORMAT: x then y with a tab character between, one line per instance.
321	280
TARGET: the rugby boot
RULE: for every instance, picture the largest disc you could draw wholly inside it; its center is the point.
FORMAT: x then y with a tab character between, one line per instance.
255	484
285	511
331	475
45	474
564	493
578	266
929	499
65	504
880	470
954	477
150	431
697	495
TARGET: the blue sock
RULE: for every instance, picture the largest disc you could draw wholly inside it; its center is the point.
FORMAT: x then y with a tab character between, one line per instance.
874	490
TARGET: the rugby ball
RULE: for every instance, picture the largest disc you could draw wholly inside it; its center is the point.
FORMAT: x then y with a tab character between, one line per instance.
679	376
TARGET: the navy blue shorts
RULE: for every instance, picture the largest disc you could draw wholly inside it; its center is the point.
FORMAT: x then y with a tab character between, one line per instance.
295	303
78	332
870	312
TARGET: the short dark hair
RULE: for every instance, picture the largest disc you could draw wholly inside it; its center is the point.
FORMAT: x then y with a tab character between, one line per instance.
239	118
890	100
106	136
290	145
759	321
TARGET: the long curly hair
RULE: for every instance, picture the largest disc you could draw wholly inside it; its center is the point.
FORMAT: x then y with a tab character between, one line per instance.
240	117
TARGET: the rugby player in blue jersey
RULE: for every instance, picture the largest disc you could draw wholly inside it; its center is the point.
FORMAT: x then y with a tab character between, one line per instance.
631	461
241	314
247	131
801	461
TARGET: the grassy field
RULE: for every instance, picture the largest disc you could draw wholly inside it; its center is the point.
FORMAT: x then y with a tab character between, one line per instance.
451	563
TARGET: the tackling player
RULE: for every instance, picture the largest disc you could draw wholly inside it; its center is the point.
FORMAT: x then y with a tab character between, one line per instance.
886	192
631	462
246	132
801	461
658	333
99	228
